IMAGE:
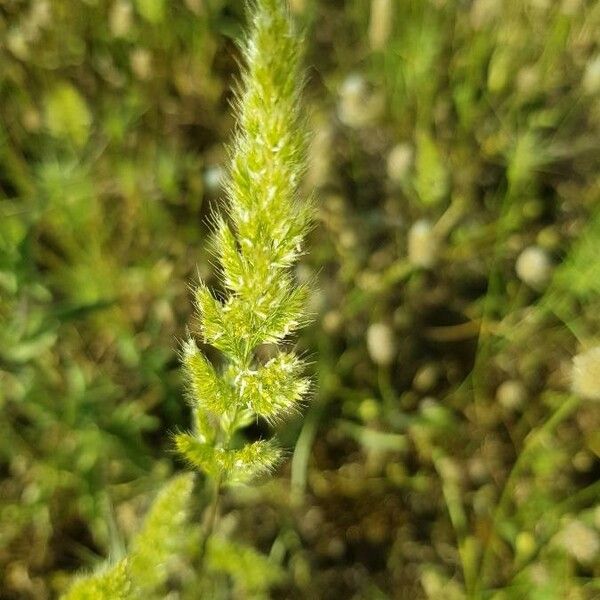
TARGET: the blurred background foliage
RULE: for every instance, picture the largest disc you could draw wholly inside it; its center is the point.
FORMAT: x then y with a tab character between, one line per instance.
455	155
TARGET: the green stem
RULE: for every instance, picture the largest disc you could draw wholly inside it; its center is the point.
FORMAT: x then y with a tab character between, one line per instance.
303	449
386	389
214	505
211	520
531	441
327	383
458	519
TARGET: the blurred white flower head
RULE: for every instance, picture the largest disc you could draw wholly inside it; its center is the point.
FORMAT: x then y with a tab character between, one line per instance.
580	541
381	343
399	162
423	245
359	105
586	374
591	77
511	394
534	267
380	24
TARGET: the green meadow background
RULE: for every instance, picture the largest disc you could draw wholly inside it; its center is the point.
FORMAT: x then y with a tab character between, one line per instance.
454	157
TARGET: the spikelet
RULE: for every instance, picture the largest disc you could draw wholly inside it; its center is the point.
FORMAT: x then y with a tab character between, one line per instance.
145	568
256	246
112	583
252	573
159	539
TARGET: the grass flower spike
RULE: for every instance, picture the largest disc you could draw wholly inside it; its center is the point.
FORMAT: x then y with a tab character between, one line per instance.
256	244
145	569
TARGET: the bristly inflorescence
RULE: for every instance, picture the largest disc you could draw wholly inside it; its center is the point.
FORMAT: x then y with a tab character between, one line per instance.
256	246
145	569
